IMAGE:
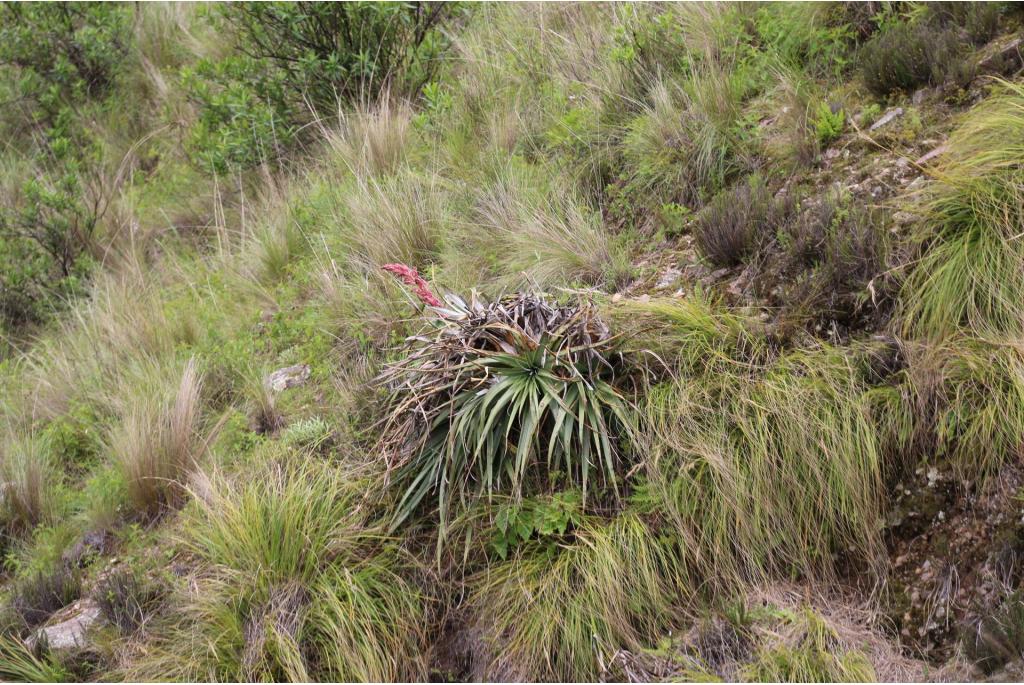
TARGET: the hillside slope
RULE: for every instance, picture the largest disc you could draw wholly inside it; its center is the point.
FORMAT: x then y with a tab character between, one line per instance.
512	342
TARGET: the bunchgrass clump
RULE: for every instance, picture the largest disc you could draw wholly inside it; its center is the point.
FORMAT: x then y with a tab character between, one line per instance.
157	444
293	585
764	465
969	397
27	477
559	614
503	395
971	275
19	664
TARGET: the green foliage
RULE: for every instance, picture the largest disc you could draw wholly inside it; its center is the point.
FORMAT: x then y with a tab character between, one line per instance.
763	466
308	433
809	653
908	55
65	52
295	57
814	36
505	396
61	57
27	479
38	595
975	389
828	123
545	517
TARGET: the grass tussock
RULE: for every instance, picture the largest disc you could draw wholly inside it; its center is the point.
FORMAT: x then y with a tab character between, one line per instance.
765	468
547	234
968	395
27	476
19	664
561	614
971	274
157	443
293	585
373	141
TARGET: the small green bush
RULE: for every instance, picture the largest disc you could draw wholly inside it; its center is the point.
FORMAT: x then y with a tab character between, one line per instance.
294	57
61	56
909	55
736	222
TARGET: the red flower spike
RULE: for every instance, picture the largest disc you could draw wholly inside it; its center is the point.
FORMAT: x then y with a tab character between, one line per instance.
412	278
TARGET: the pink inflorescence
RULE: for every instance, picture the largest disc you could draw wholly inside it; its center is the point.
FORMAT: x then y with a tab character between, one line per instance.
411	277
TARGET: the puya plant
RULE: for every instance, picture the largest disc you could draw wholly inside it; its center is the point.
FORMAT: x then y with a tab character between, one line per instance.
511	395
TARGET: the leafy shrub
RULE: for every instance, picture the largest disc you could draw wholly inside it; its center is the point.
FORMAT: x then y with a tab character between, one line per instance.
505	394
908	55
61	57
545	517
65	51
297	56
736	222
127	601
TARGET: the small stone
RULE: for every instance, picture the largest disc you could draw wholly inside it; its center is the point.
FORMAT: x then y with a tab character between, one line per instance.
288	377
904	218
668	278
644	299
886	118
931	154
617	297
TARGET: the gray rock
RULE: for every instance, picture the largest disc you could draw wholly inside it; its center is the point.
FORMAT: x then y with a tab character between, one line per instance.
1003	59
68	627
288	377
931	154
886	118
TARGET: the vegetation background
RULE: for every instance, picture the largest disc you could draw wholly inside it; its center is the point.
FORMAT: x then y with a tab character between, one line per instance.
407	341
